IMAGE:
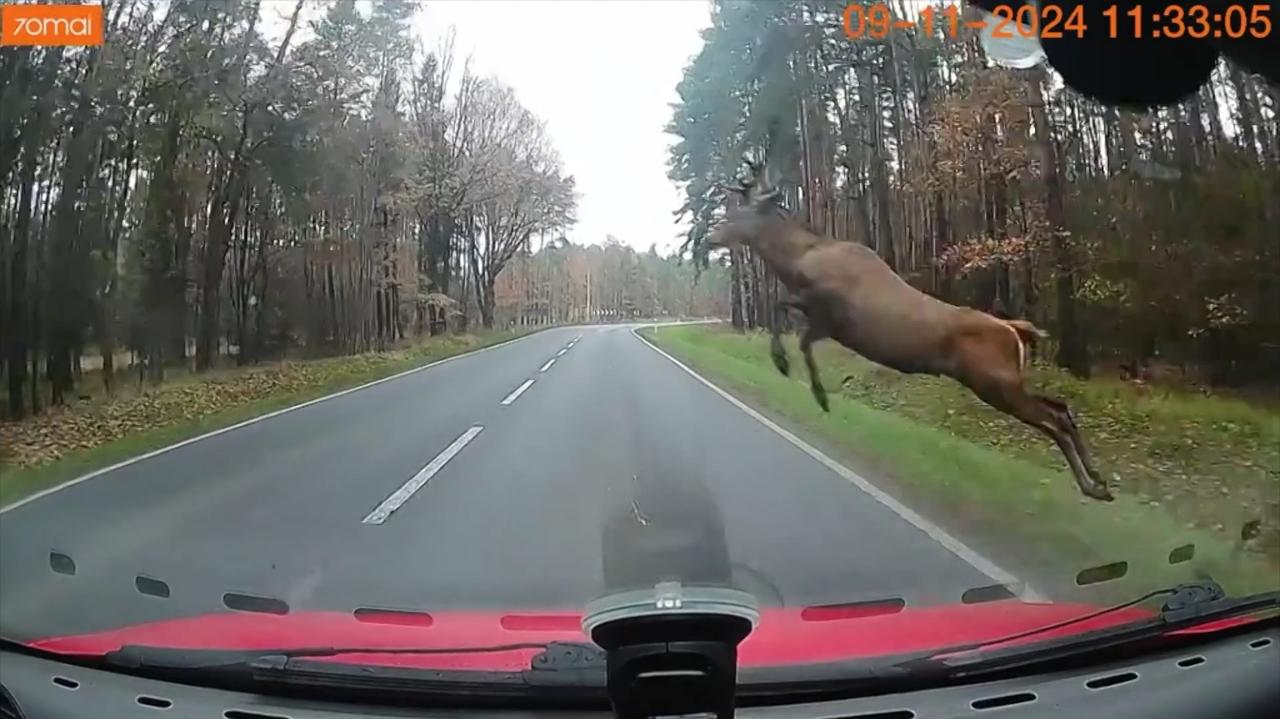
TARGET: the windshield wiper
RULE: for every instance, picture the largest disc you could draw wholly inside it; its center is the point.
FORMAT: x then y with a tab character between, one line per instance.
1187	605
145	657
568	670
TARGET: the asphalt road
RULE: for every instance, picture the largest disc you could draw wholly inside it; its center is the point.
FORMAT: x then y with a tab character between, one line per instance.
449	488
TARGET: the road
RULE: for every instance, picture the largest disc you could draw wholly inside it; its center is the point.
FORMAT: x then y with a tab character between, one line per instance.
530	475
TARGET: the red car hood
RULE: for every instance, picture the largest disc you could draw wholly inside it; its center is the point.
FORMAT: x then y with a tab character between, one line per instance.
784	636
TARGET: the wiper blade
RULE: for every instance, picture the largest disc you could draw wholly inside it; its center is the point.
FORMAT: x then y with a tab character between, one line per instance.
1188	605
1170	591
568	670
145	657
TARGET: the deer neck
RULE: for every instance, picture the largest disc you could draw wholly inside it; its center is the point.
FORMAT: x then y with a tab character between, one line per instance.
781	249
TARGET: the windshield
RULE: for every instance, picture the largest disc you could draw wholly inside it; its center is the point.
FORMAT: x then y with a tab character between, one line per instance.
367	325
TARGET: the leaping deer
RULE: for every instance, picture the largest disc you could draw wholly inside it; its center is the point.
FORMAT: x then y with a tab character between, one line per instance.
847	293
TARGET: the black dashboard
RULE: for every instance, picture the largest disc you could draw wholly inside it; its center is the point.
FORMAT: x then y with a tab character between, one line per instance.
1235	676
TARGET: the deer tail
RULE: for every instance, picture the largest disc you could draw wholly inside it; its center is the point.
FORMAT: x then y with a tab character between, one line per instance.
1026	334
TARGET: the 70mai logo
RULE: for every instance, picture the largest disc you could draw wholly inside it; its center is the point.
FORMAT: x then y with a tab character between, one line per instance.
50	24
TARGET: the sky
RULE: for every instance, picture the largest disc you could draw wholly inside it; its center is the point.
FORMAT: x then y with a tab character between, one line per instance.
602	75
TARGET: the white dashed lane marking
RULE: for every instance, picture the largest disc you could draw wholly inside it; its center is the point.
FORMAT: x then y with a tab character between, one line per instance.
515	394
407	490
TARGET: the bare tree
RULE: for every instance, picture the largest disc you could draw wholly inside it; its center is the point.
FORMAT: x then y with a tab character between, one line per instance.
526	191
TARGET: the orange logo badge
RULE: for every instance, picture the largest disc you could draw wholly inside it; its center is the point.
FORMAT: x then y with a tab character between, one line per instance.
31	24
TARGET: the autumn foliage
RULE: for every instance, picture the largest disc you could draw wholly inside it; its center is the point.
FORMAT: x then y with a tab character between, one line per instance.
1136	239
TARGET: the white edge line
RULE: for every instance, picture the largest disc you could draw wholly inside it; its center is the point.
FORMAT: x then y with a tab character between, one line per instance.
156	452
547	366
406	491
515	393
936	533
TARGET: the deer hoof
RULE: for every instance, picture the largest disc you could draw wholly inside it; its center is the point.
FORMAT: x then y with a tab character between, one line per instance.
783	364
821	396
1099	491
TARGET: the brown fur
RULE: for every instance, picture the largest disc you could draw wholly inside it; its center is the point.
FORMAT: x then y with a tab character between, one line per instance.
848	294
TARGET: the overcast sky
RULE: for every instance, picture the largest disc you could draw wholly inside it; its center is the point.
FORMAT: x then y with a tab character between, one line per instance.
602	74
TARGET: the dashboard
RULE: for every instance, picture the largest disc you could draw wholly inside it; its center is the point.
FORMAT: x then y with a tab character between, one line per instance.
1236	676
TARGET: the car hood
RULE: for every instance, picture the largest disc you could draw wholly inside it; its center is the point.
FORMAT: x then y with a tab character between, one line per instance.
785	636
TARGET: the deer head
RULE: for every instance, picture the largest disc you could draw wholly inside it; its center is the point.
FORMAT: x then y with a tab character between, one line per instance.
741	222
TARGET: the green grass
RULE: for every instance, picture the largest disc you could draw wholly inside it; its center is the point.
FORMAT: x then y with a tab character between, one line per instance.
58	446
1187	469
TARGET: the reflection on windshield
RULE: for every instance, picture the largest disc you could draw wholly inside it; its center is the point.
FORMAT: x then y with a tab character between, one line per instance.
366	325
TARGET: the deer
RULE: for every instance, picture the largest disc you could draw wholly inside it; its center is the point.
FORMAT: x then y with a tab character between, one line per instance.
847	293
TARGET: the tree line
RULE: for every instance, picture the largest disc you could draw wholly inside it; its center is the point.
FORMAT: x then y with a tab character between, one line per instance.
559	282
199	187
1140	240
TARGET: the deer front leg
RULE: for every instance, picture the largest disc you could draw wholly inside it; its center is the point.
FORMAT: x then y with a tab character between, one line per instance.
779	353
776	350
813	333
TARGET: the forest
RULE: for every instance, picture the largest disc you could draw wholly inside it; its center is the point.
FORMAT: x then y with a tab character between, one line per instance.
204	191
200	191
1145	242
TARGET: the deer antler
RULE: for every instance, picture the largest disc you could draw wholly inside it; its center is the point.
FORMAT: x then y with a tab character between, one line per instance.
759	179
754	188
743	189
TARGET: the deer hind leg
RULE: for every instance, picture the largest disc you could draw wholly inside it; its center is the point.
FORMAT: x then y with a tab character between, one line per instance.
1008	396
1065	417
813	333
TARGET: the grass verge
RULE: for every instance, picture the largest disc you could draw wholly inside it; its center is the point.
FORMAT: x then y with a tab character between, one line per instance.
64	443
1187	469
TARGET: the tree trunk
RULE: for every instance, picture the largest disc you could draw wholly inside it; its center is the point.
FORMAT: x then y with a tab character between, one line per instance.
160	255
68	257
18	307
24	299
224	213
1247	120
210	290
485	301
941	237
1072	350
439	247
735	268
